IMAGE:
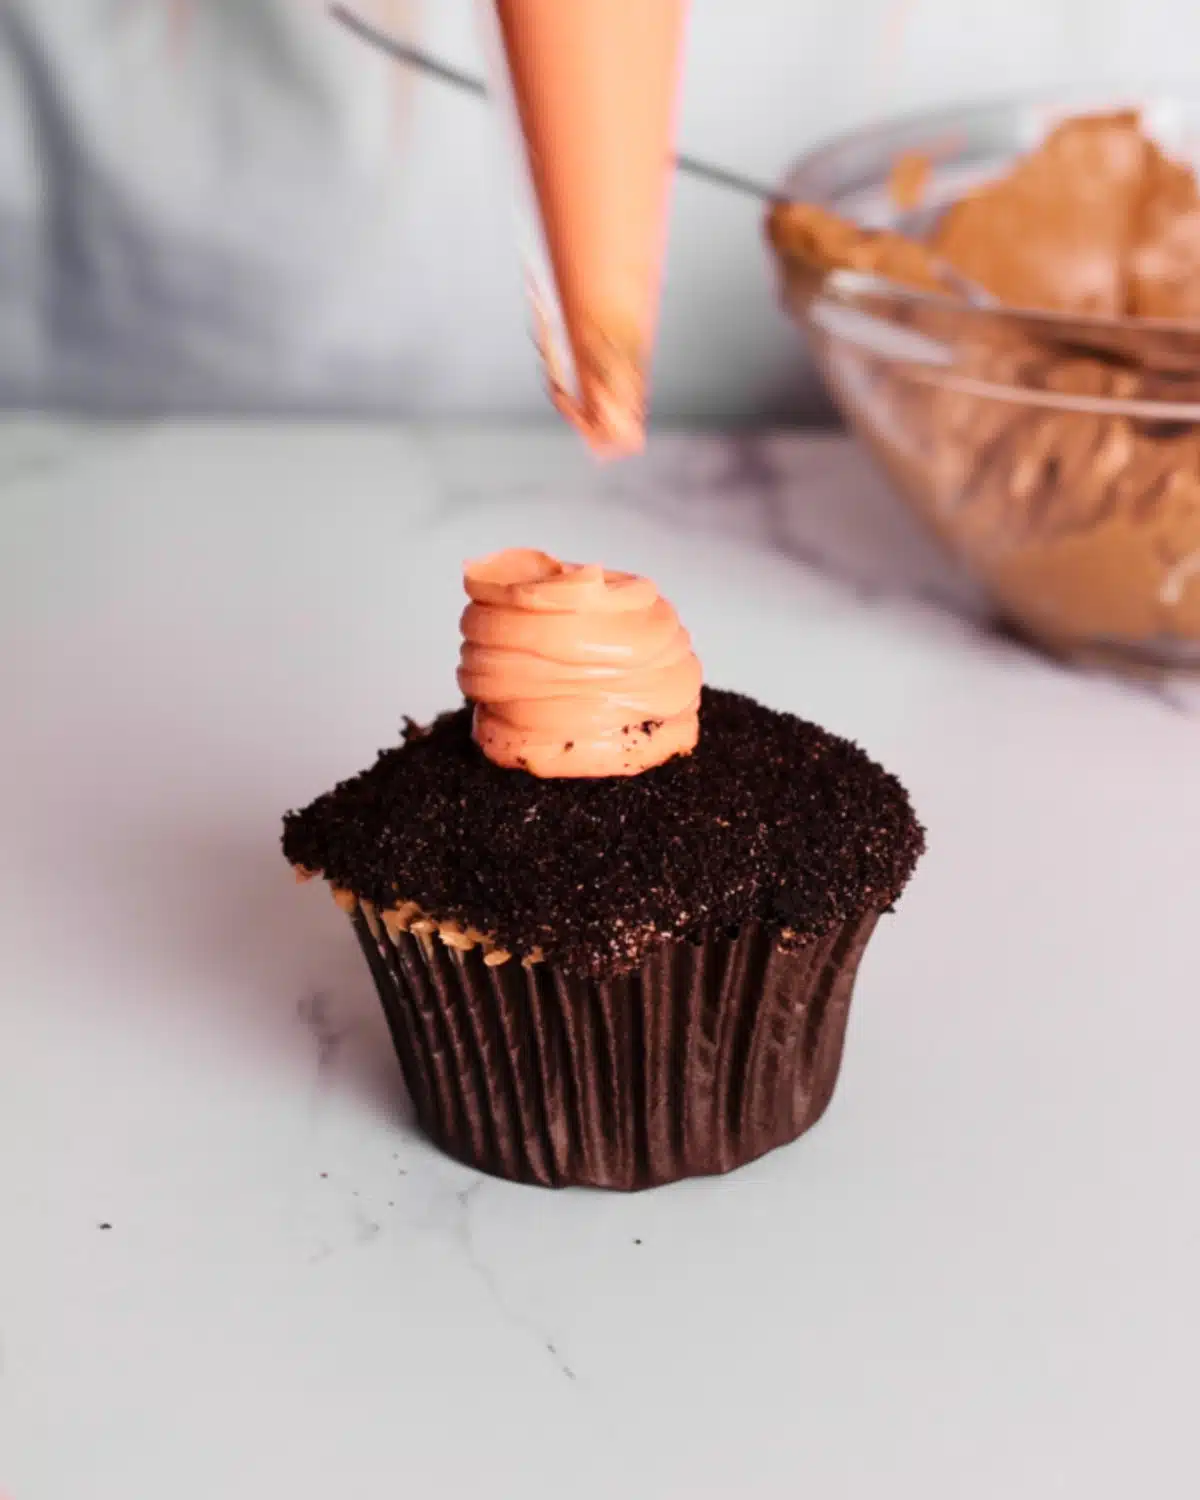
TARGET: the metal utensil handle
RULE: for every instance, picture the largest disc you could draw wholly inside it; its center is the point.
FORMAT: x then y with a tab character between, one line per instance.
415	57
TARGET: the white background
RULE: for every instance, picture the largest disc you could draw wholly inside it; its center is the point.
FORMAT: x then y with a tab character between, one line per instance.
269	216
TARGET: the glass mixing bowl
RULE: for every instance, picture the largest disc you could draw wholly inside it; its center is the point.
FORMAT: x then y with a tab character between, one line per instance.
1056	457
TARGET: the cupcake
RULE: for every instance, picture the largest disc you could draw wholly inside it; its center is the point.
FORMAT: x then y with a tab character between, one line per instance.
614	916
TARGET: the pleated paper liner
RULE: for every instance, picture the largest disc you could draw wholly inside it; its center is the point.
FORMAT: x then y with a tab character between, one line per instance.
707	1056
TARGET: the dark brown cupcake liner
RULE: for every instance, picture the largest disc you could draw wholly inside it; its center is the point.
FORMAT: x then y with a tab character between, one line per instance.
707	1056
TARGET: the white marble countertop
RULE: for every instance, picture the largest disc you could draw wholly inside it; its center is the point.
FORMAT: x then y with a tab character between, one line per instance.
228	1265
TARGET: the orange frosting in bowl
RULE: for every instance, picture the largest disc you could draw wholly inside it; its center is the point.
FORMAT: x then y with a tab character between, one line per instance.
575	670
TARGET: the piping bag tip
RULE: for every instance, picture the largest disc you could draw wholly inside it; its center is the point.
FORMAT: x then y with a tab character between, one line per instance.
610	410
611	422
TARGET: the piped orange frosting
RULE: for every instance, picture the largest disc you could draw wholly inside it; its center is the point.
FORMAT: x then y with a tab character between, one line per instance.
595	83
575	670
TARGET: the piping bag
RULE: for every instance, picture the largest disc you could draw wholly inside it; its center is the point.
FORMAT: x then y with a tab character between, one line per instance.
593	85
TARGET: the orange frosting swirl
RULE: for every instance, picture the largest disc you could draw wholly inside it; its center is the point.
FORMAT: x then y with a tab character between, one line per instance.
573	670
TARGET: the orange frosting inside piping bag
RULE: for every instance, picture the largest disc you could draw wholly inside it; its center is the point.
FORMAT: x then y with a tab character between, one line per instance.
594	83
574	670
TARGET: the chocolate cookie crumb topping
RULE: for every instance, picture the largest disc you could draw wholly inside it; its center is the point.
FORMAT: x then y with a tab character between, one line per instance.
770	819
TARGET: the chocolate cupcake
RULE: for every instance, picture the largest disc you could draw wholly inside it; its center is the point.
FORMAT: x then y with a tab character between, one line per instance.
614	917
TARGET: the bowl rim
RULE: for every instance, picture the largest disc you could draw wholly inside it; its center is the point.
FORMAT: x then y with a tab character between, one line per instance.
798	185
1076	98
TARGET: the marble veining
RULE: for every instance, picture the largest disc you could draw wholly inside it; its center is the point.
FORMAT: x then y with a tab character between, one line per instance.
468	1198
